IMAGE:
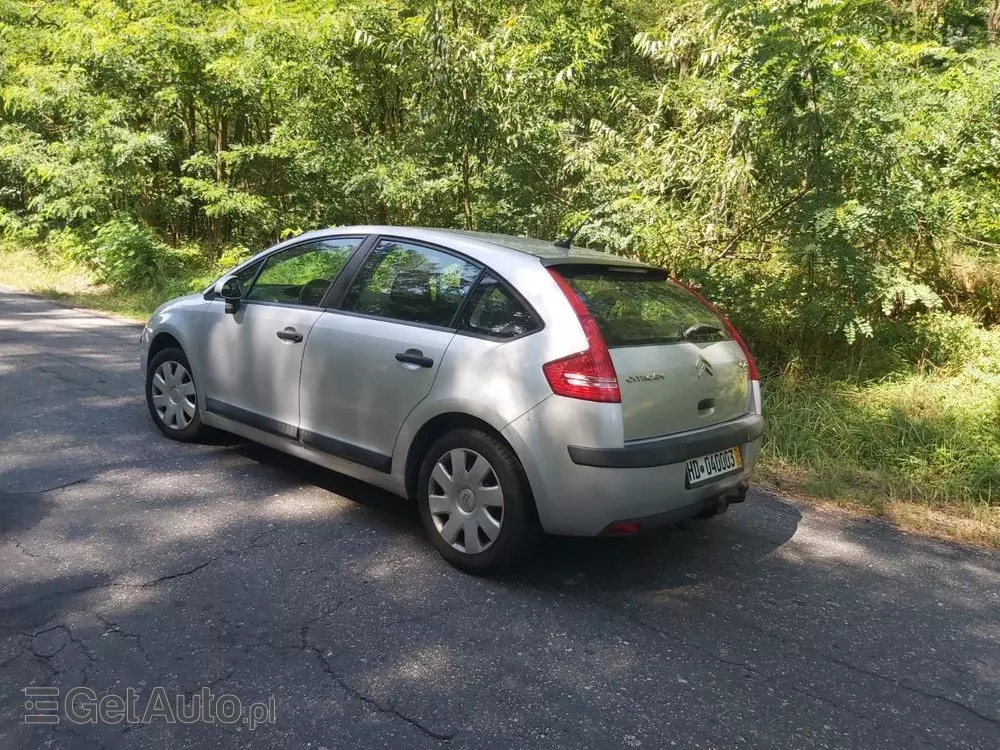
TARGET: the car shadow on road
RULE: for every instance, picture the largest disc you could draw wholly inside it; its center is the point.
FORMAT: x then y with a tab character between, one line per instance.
669	557
401	514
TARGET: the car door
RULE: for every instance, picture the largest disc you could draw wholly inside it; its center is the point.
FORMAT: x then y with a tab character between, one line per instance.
253	358
368	363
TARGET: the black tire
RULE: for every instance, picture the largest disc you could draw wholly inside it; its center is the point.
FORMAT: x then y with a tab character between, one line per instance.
194	429
520	530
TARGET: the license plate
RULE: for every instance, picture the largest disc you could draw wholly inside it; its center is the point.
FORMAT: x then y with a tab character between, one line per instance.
713	466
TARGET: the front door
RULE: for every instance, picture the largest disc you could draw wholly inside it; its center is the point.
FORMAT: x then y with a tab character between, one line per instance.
368	364
253	358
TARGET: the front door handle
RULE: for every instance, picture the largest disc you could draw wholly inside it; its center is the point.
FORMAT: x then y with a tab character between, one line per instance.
414	357
289	334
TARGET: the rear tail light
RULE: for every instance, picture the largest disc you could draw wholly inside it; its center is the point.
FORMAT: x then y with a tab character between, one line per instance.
589	375
753	374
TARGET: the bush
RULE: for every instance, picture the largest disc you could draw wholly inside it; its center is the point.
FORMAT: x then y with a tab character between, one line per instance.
128	257
948	339
125	256
975	284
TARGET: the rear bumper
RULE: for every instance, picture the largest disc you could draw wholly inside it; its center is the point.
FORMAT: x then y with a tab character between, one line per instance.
674	448
584	499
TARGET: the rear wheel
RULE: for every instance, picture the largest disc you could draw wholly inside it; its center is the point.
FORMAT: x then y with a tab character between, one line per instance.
172	397
475	503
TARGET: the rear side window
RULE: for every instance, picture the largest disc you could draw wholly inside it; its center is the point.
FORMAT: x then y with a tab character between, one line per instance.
493	311
411	283
637	306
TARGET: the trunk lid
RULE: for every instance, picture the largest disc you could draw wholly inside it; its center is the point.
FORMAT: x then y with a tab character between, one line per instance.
678	368
681	386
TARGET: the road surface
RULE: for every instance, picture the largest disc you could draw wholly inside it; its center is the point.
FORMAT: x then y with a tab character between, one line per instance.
128	561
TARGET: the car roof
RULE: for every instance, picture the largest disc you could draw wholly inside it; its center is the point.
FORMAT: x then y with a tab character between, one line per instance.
548	252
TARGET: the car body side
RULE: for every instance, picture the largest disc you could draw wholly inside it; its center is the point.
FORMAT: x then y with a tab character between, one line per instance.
498	384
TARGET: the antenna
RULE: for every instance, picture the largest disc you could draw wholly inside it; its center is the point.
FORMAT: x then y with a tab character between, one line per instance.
566	241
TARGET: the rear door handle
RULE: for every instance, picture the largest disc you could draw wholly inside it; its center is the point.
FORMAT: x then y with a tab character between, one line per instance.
289	334
414	357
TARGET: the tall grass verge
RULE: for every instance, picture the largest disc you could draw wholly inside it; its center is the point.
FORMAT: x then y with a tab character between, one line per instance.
922	449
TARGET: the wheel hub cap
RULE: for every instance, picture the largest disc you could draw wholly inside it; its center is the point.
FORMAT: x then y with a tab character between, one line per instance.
173	394
467	500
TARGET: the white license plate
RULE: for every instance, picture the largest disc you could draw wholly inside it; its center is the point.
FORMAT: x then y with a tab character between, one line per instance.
714	465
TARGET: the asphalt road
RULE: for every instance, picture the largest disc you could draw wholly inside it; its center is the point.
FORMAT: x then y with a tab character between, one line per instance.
130	561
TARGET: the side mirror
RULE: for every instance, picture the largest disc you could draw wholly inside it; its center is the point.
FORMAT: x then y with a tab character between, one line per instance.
230	288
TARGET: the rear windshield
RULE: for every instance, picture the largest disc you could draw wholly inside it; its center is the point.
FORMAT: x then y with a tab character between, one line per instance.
636	306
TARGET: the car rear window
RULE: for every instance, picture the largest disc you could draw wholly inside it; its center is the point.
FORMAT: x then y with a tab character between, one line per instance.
638	306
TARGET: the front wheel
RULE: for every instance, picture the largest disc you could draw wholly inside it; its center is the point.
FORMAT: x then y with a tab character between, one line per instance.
476	504
172	397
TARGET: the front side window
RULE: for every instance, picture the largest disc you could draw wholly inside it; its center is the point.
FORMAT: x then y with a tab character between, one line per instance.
494	311
411	283
247	275
301	275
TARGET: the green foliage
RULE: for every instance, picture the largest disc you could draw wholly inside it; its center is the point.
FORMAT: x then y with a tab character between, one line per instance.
931	437
953	341
829	170
123	255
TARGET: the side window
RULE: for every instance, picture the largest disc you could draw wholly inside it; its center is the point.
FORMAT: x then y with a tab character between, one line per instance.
301	275
493	311
248	274
411	283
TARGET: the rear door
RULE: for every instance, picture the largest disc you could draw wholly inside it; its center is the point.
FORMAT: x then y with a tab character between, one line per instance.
368	363
678	369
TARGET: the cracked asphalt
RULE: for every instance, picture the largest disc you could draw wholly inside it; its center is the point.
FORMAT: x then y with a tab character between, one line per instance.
127	560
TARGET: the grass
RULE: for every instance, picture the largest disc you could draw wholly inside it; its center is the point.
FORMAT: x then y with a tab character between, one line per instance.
919	449
71	284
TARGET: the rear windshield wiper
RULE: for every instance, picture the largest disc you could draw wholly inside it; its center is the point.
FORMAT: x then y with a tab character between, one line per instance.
700	329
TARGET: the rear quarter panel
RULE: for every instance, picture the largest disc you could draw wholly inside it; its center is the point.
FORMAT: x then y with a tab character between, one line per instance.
493	381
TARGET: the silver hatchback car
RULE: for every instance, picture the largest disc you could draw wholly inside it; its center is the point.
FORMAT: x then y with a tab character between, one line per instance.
511	386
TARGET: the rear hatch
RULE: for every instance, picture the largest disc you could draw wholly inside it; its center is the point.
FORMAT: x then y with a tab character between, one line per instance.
678	368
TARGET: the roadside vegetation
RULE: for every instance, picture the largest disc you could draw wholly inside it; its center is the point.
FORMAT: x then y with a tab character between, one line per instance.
828	170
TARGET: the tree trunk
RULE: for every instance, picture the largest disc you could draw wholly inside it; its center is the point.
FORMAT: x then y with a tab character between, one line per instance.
993	23
191	116
221	145
240	130
466	197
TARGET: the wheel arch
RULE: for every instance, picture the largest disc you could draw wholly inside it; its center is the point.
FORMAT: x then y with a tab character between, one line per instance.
163	340
433	429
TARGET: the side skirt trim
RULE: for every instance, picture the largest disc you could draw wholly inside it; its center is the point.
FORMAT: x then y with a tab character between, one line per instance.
252	418
351	452
334	447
